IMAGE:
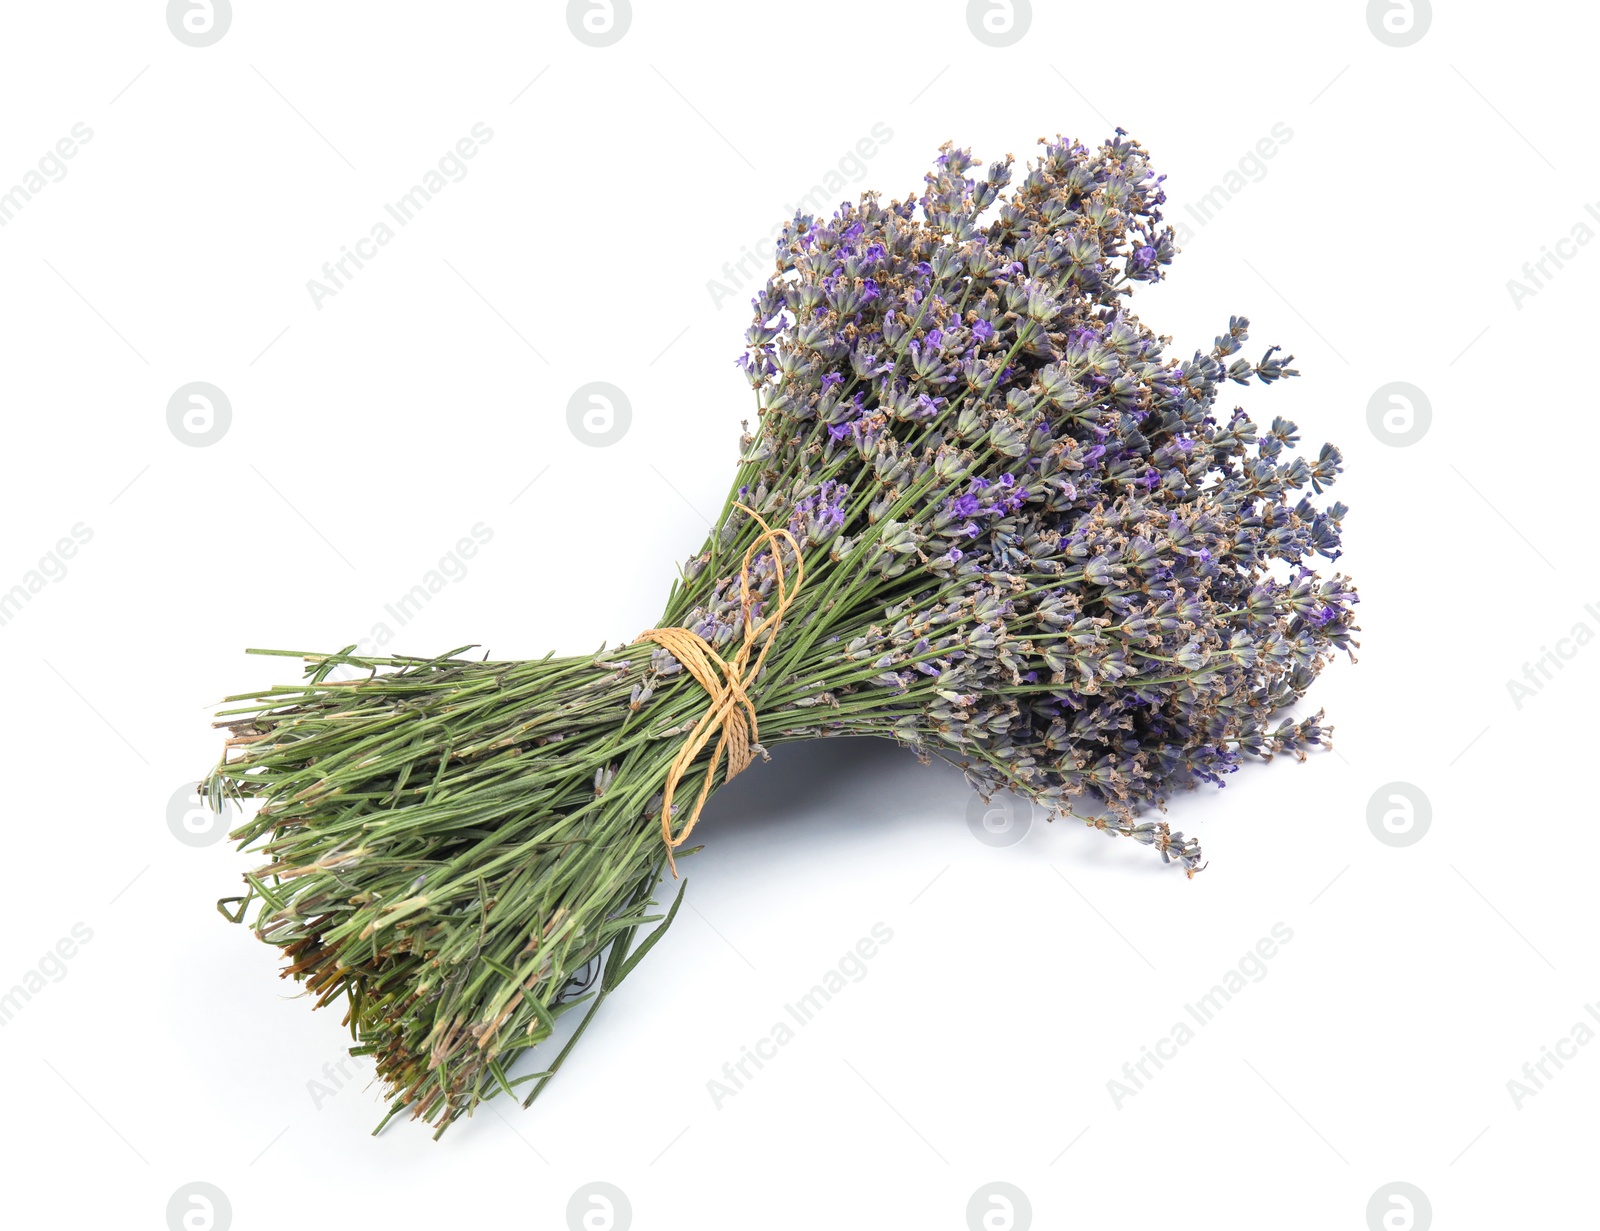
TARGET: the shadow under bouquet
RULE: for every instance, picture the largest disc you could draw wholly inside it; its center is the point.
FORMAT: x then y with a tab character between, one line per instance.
981	513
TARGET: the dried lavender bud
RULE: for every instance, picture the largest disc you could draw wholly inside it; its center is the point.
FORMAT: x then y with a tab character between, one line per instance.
1033	544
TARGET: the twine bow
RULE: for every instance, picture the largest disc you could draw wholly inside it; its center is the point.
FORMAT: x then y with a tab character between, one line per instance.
725	681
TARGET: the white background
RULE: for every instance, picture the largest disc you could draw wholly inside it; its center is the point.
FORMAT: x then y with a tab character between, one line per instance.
430	394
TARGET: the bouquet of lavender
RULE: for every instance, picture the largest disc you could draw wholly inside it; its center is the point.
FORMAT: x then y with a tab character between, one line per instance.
980	514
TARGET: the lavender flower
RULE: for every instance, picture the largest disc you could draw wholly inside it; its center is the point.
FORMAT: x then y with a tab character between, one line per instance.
1034	544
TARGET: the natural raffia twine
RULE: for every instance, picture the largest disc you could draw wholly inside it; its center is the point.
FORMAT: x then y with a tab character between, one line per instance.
726	682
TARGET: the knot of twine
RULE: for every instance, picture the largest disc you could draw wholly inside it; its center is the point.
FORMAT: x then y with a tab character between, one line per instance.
725	681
